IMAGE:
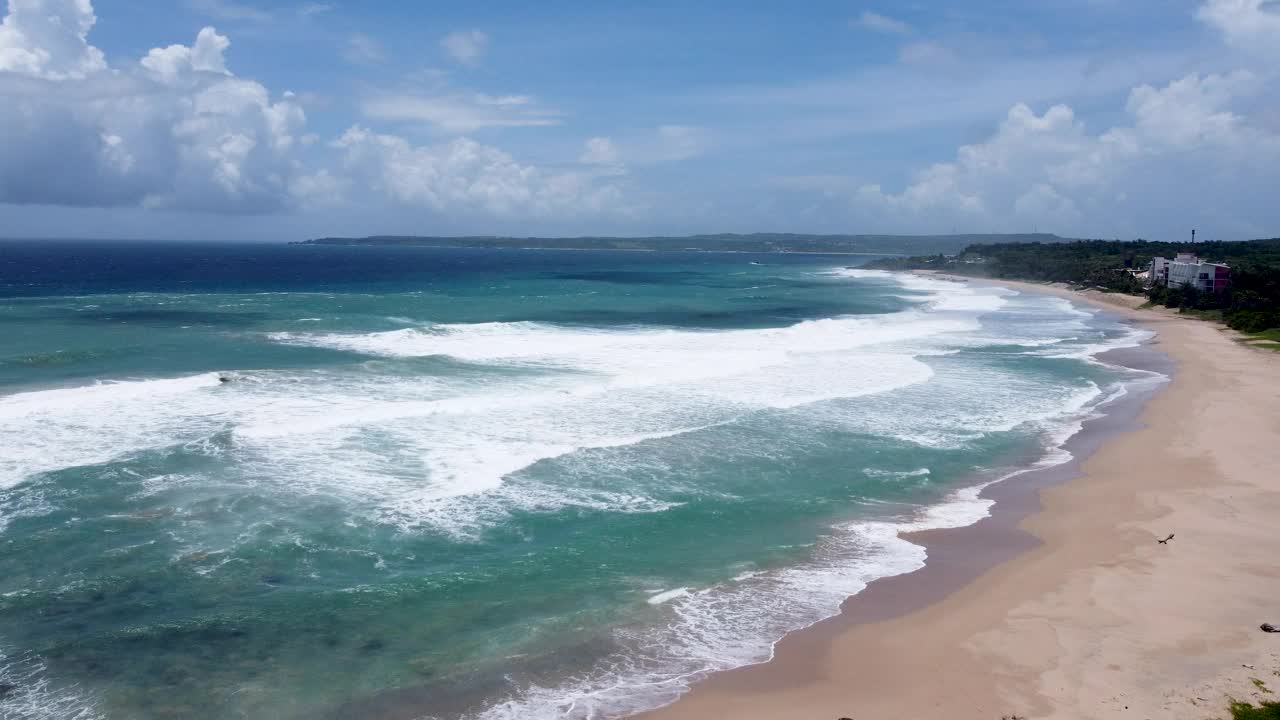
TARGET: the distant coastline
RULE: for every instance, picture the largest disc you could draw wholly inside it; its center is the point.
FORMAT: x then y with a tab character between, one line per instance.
726	242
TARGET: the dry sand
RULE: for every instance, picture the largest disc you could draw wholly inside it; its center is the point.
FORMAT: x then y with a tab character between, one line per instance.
1067	607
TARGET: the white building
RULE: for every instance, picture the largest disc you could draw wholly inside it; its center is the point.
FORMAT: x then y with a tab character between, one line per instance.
1187	269
1159	272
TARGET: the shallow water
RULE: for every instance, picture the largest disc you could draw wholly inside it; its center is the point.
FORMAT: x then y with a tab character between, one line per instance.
465	483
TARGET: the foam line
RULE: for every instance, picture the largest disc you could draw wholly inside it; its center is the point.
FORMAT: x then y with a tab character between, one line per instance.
738	623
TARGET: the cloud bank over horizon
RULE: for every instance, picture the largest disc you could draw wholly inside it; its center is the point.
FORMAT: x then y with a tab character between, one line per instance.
1111	142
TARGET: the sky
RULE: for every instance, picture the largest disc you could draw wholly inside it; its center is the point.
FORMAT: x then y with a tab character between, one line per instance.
284	120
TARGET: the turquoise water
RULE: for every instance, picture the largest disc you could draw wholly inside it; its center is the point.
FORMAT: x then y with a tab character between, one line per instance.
482	484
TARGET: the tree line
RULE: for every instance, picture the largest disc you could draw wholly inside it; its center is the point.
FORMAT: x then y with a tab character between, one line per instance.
1251	303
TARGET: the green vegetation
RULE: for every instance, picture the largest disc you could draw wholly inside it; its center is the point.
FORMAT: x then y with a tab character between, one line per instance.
726	242
1251	304
1269	339
1246	711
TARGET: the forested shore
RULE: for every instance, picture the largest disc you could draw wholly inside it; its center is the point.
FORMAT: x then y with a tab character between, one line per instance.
1251	303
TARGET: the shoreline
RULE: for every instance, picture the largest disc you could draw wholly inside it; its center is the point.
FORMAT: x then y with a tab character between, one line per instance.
601	249
1009	615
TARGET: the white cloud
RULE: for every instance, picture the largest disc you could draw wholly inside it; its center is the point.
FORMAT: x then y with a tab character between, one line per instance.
49	39
319	189
178	130
460	112
463	176
361	49
882	24
904	96
652	146
1192	111
1183	148
466	46
175	130
1252	25
1204	145
999	179
205	55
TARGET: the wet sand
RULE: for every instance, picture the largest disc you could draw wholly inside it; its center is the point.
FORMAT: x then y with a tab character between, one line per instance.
1062	604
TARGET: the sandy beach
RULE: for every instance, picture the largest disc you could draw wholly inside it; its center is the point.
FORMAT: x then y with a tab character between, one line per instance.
1063	604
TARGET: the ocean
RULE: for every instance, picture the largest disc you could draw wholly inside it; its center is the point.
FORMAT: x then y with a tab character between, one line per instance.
286	481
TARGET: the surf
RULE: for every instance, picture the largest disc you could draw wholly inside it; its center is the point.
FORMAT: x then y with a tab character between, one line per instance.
670	498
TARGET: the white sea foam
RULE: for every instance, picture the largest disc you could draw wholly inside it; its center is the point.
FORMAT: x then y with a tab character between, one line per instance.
34	697
666	595
945	295
53	429
896	474
1133	337
409	447
671	382
436	451
737	624
456	453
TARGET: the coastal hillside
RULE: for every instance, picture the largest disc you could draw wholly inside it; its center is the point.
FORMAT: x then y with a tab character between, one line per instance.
723	242
1251	303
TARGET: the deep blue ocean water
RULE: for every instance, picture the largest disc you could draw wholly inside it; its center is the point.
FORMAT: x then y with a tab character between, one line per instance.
278	481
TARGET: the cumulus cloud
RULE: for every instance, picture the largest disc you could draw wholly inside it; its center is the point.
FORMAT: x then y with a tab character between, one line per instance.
205	55
1193	111
49	39
174	130
464	176
1201	145
466	47
1252	25
1183	147
177	129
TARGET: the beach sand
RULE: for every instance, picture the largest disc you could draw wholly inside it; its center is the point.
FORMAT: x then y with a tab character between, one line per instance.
1062	604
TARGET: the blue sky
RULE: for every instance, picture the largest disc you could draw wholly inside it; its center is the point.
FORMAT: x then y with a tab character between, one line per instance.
262	120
